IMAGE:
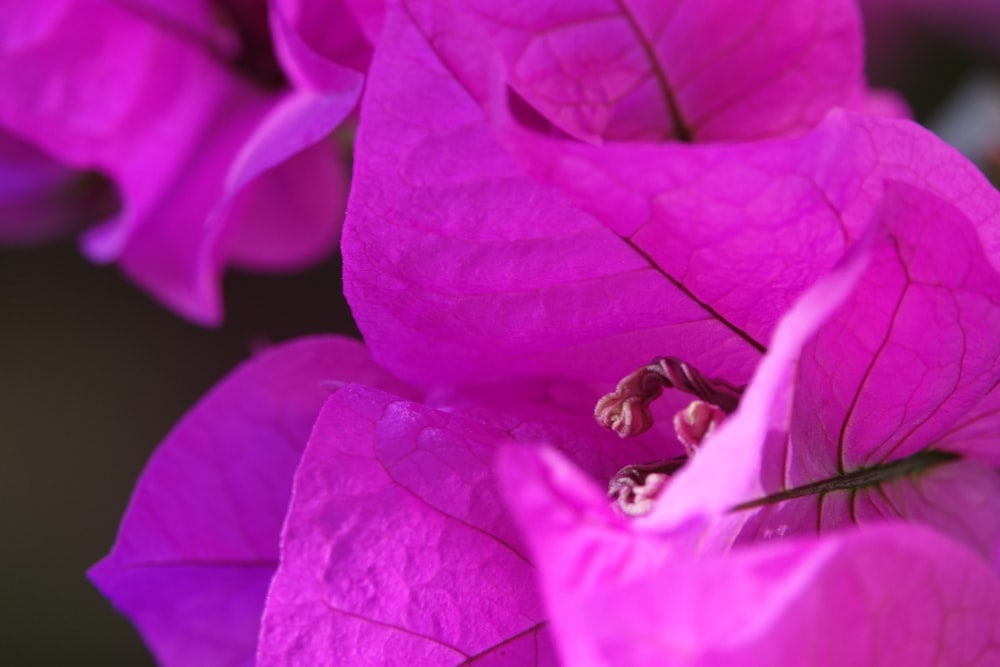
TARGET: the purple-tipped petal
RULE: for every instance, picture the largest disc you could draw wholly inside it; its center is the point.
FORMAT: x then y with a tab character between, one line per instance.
199	542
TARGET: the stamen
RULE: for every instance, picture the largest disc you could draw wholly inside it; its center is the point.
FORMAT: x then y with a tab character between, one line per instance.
626	410
636	487
696	422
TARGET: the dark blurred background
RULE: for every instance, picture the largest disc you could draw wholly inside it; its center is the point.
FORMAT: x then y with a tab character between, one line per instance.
93	374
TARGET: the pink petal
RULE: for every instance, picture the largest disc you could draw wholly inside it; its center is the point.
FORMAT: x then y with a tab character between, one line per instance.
959	499
286	189
199	542
561	414
744	459
975	434
459	268
890	595
369	15
910	353
641	70
320	46
747	228
291	216
397	549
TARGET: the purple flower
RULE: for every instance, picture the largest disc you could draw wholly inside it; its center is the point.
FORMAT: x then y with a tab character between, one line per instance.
209	118
783	541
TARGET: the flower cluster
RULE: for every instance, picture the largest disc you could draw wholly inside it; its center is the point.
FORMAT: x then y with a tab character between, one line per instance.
545	196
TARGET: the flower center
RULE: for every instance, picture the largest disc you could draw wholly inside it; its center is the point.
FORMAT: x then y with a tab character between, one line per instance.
626	411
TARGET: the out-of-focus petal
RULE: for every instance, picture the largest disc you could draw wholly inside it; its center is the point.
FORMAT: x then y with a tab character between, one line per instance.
370	15
291	216
328	28
193	146
43	200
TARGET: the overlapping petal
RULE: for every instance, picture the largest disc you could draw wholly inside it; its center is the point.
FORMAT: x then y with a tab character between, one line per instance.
910	379
626	597
912	352
199	543
459	268
704	214
755	553
696	71
397	547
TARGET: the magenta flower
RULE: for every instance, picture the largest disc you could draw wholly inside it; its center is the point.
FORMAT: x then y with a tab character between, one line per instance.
212	129
555	263
847	513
